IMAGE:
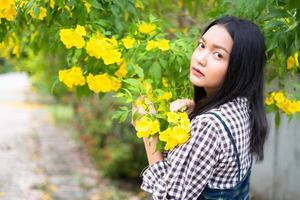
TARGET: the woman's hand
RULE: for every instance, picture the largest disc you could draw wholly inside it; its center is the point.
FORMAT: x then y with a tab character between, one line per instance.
186	105
141	111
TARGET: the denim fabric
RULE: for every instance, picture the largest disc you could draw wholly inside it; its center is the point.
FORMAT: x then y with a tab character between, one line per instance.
239	192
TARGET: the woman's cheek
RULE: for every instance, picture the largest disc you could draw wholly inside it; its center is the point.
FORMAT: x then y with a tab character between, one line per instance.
215	74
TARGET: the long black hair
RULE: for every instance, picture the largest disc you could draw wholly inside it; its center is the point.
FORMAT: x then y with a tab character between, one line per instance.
244	78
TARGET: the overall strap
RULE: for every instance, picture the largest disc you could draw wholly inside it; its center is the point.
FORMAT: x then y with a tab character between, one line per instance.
232	141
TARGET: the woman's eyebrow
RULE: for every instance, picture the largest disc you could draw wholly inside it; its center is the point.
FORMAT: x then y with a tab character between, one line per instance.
216	46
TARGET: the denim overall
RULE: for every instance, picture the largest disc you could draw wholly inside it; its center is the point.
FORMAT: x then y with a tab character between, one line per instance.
238	192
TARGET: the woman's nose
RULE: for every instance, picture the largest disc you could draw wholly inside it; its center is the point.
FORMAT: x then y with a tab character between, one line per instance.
201	58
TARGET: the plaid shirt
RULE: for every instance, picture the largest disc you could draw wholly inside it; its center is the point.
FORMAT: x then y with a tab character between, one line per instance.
207	158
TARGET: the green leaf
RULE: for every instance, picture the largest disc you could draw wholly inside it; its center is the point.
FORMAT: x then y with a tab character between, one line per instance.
135	116
138	70
270	108
96	5
36	11
164	124
83	91
53	86
124	116
160	145
131	81
163	63
155	72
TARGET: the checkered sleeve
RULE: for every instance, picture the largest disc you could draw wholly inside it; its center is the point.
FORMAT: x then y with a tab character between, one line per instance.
186	172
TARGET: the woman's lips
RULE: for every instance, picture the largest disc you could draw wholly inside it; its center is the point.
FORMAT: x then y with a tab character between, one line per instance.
197	72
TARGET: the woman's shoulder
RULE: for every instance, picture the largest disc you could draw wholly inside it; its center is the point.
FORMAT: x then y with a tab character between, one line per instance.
228	112
235	106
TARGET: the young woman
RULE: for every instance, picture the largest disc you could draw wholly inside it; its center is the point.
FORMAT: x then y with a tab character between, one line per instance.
228	120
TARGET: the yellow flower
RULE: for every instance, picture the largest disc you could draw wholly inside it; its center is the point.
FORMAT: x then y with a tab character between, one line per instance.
165	82
139	4
128	42
115	84
72	77
163	44
95	47
7	10
146	127
173	117
269	101
279	97
122	71
148	87
141	102
52	4
101	47
296	58
73	38
6	4
288	106
151	45
185	124
111	56
99	83
87	6
42	13
174	136
16	51
146	28
166	136
166	96
80	30
290	62
180	135
293	61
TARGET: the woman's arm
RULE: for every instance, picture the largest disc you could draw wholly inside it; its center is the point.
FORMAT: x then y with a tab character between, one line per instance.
150	146
150	143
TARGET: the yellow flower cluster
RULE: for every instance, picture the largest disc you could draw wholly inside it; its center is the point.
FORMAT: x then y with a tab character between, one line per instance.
87	6
10	46
72	77
42	13
161	44
7	10
148	89
122	71
165	96
105	48
146	126
128	42
286	105
146	28
178	132
292	61
22	3
73	37
103	83
52	4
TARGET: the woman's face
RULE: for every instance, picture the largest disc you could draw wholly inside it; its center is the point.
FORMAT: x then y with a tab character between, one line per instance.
210	59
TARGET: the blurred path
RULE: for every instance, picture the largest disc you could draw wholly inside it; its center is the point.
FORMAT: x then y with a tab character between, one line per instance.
38	160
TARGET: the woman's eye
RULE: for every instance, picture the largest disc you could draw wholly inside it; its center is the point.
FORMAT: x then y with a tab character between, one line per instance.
201	45
218	55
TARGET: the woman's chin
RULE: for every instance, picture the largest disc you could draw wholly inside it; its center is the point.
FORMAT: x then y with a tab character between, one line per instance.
195	80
